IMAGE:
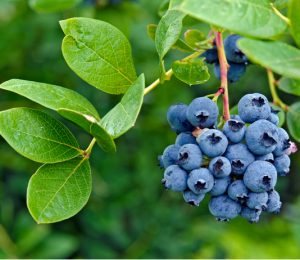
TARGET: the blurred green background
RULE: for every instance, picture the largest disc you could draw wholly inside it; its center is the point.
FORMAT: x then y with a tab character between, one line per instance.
129	215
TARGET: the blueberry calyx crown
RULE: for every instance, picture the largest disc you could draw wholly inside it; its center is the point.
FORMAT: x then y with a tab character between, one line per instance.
214	139
258	102
267	140
202	116
218	165
235	125
200	185
237	164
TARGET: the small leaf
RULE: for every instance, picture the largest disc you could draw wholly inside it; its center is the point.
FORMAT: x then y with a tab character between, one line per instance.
59	191
191	72
247	17
278	56
291	86
293	13
49	6
123	116
163	8
293	121
37	136
151	29
193	37
98	53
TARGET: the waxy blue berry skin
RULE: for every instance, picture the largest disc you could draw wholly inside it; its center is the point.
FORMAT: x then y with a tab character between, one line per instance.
192	198
283	144
224	208
202	112
269	157
252	215
190	157
260	176
185	138
160	162
253	107
220	167
175	178
233	52
235	71
274	204
211	55
200	181
273	118
239	156
220	186
282	164
234	130
257	200
170	155
176	117
262	137
212	142
238	191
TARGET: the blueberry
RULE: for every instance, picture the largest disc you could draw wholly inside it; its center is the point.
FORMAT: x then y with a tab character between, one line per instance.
253	107
220	167
233	53
274	204
269	157
202	112
220	186
257	200
235	71
252	215
211	55
175	178
282	164
283	144
262	137
238	191
212	142
260	176
190	157
185	138
240	157
192	198
160	162
224	208
176	117
274	118
235	117
170	155
200	181
234	130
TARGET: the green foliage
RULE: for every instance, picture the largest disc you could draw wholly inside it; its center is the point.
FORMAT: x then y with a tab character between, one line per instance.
48	6
294	10
293	119
291	86
194	37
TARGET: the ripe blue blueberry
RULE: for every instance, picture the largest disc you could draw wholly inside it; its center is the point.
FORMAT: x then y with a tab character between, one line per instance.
260	176
160	162
253	107
211	55
176	117
234	130
269	157
202	112
282	164
274	118
192	198
212	142
175	178
220	167
190	157
262	137
239	156
185	138
283	144
236	117
235	71
200	181
224	208
252	215
220	186
170	155
257	200
274	203
233	53
238	191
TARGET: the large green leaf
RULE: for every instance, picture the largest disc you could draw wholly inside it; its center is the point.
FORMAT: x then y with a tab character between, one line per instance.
278	56
248	17
52	5
59	191
37	135
294	11
98	53
291	86
293	121
123	116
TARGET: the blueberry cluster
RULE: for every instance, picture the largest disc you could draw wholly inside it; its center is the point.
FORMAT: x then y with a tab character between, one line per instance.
237	60
237	165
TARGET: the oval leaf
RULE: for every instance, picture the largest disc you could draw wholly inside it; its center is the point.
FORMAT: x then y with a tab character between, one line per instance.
46	6
191	72
59	191
98	53
193	37
293	121
123	116
291	86
247	17
37	135
293	12
278	56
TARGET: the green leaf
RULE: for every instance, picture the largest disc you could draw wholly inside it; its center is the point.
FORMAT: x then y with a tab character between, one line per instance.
293	121
59	191
293	13
37	135
123	116
193	37
278	56
291	86
46	6
151	29
191	72
98	53
281	4
247	17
